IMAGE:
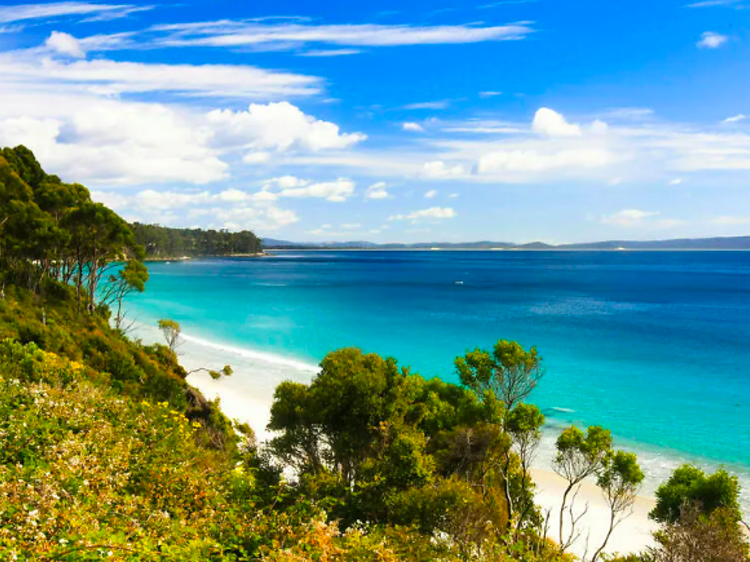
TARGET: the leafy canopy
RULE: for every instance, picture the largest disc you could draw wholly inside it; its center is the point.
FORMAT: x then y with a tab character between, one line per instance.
689	484
509	372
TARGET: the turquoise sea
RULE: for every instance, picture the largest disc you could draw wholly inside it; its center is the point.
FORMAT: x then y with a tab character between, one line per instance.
653	345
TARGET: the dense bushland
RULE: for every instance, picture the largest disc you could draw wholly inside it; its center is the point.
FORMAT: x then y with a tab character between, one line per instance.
163	242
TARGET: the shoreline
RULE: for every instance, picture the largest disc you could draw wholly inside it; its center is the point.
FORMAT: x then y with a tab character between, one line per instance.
517	250
247	396
157	259
257	373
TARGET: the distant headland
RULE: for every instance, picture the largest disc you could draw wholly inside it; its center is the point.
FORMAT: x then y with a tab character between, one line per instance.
728	243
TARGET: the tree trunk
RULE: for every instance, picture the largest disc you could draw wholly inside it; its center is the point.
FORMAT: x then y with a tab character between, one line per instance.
562	512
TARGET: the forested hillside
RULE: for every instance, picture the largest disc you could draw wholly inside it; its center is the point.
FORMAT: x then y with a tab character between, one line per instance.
107	453
162	242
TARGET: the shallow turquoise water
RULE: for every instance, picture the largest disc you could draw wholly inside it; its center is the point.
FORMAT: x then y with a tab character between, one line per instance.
653	345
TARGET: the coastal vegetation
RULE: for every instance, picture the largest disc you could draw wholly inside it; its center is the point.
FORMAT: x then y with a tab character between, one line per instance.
160	242
107	453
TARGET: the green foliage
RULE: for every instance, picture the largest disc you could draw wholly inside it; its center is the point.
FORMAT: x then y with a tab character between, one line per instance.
161	242
130	279
510	373
620	471
171	331
84	471
225	371
391	447
52	230
524	422
580	454
619	479
690	485
700	537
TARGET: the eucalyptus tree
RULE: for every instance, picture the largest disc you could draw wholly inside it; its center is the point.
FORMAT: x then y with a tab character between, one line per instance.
510	372
619	480
129	279
523	424
171	330
579	456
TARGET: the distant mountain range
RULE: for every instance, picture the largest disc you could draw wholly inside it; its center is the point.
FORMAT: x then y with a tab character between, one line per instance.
719	243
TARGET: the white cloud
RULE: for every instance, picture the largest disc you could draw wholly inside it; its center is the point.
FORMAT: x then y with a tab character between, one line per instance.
634	147
485	127
454	196
112	142
377	191
534	161
714	3
65	44
288	182
291	186
330	53
277	127
288	36
234	196
599	127
92	12
264	196
232	208
439	169
412	127
116	143
336	191
433	213
430	194
27	70
628	217
552	124
735	118
489	94
254	218
630	113
676	181
164	200
712	40
442	104
256	157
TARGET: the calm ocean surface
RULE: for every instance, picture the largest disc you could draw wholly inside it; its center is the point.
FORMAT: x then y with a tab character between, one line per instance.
653	345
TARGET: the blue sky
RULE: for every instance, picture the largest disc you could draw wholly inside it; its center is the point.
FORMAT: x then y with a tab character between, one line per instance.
392	121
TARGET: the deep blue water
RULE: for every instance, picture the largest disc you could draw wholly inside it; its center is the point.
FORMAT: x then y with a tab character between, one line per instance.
653	345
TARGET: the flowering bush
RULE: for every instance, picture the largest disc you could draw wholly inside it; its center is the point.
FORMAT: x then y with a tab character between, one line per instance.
86	474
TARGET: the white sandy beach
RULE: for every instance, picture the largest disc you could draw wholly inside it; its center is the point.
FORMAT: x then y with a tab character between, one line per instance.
632	535
247	395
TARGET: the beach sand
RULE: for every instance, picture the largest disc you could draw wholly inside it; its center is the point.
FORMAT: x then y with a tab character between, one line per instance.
632	535
246	396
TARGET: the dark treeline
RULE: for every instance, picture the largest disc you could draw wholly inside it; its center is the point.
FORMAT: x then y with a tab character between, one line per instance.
52	231
163	242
